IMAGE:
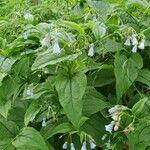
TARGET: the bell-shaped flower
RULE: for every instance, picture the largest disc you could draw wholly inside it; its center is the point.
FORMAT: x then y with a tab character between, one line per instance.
91	50
109	127
134	49
83	146
65	145
44	122
72	146
56	47
45	41
134	40
29	92
142	44
25	35
108	144
128	41
92	144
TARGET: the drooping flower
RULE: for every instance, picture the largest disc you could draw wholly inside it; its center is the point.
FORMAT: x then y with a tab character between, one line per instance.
134	40
134	49
116	127
91	50
128	41
29	92
94	19
83	146
142	44
56	47
108	144
46	40
115	117
104	137
44	122
72	146
109	127
92	144
25	35
65	145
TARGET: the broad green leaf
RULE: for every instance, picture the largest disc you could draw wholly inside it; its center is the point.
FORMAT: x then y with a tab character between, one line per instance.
101	78
6	144
74	26
93	102
2	76
8	129
49	58
99	29
52	129
126	72
31	112
137	108
70	90
4	109
101	7
144	76
31	138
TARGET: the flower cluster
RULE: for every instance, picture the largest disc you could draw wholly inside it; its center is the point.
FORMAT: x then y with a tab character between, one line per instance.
83	147
133	41
115	113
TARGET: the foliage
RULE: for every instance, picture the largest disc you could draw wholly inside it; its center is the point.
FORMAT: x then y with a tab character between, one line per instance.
74	73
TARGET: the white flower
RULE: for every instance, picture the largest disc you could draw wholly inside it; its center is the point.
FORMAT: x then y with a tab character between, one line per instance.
128	41
45	41
109	127
108	144
44	122
142	44
94	19
83	146
116	127
28	16
115	117
113	110
65	145
134	40
104	137
92	144
91	50
29	92
56	47
25	35
134	49
72	146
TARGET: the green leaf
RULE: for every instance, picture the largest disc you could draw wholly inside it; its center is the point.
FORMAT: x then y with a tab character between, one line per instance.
31	112
31	138
74	26
71	90
144	76
99	30
49	58
2	76
6	144
93	102
126	72
4	109
137	108
52	129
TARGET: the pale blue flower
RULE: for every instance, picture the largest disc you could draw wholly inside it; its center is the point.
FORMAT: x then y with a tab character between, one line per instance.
65	145
128	41
92	144
134	49
45	41
109	127
91	50
25	35
29	92
83	146
28	16
72	146
134	40
142	44
108	144
44	122
56	47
